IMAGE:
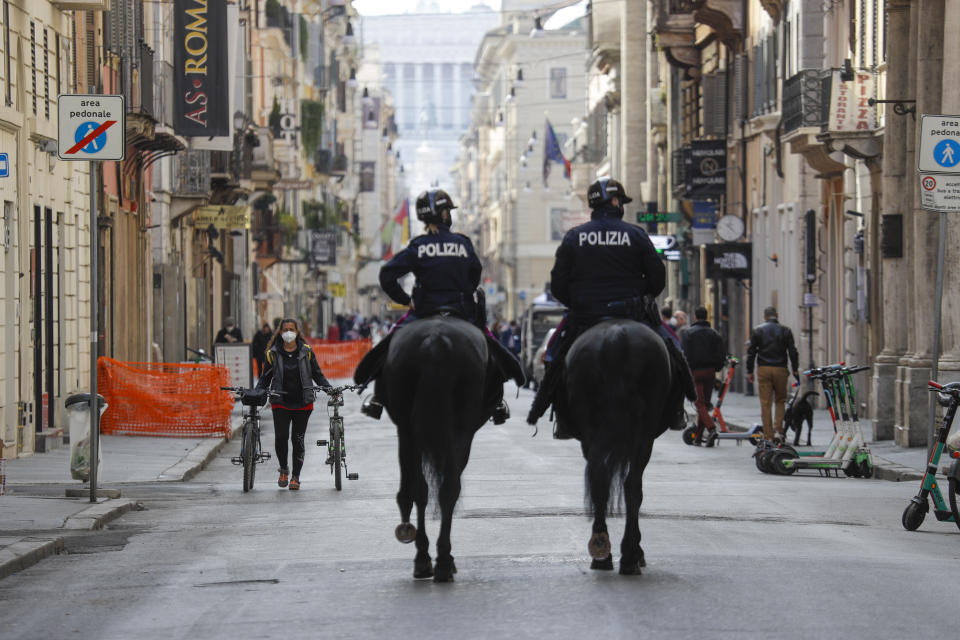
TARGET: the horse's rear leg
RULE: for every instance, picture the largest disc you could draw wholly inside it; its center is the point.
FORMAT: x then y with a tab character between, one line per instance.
598	479
448	495
413	488
631	555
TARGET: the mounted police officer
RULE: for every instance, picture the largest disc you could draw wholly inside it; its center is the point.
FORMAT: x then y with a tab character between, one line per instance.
604	268
447	272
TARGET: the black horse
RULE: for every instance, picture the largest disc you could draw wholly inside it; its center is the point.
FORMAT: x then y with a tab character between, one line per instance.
439	385
619	393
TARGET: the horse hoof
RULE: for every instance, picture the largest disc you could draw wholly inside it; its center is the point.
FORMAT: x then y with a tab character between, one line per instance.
599	545
630	568
642	560
444	570
422	569
604	564
406	532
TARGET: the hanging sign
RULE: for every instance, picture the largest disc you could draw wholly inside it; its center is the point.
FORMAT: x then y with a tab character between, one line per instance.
201	94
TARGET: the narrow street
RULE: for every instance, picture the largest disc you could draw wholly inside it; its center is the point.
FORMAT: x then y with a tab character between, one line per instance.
730	553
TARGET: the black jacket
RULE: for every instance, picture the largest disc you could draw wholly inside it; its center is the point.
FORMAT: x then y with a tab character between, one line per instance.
704	347
272	376
771	344
260	340
447	271
605	260
223	333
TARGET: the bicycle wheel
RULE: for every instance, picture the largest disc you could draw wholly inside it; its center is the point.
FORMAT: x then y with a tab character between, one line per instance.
337	459
247	455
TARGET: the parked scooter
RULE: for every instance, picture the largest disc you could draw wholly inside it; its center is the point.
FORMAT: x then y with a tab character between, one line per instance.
948	395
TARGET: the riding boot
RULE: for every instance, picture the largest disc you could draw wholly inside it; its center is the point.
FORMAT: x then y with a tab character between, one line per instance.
372	407
501	413
545	392
686	376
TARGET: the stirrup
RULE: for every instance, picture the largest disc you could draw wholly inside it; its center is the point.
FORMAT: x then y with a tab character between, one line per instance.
372	408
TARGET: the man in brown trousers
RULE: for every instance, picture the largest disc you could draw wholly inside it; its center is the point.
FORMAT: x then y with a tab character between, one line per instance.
771	344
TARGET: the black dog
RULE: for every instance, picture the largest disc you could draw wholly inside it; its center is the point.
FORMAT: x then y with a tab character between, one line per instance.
799	410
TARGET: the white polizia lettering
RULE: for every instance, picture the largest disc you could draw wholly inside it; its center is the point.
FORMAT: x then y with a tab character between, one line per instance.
605	238
442	250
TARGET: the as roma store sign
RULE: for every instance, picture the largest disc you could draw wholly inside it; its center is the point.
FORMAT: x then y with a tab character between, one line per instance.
200	98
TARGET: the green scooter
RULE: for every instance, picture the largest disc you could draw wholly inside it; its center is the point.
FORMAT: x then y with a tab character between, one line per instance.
948	395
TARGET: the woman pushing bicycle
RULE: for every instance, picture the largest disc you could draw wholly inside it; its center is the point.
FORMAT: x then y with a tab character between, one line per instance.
290	367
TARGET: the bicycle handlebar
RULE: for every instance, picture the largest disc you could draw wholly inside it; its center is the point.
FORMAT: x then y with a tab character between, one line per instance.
241	390
334	391
951	388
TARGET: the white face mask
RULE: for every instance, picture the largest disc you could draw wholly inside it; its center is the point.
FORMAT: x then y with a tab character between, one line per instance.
288	336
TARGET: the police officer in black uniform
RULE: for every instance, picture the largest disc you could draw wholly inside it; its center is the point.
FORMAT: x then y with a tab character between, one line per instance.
604	268
447	272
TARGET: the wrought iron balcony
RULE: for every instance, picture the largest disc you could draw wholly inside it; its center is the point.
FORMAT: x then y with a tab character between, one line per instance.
806	100
192	173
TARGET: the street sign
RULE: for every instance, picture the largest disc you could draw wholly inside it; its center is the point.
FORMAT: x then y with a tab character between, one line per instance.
4	165
91	127
657	218
939	144
940	193
663	243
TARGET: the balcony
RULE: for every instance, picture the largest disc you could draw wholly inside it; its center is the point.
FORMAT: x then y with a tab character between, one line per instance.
191	174
673	26
804	103
81	5
725	17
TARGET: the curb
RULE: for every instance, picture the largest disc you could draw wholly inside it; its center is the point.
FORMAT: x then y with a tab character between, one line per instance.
97	515
27	552
198	457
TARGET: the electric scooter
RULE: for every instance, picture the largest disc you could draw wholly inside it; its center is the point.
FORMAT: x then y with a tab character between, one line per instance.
948	395
712	436
848	451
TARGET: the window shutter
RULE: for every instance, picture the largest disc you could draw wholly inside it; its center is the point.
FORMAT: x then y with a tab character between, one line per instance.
90	50
739	87
715	104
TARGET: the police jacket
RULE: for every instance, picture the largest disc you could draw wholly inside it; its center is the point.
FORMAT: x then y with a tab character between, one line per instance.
602	261
447	270
308	368
771	344
704	347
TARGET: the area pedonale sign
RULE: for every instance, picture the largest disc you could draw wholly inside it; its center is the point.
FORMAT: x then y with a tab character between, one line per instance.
201	93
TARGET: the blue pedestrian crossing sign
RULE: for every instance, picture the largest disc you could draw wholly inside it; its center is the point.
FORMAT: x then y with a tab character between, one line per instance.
947	153
4	165
939	150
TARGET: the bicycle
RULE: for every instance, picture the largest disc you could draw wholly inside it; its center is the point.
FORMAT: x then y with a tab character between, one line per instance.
336	449
251	452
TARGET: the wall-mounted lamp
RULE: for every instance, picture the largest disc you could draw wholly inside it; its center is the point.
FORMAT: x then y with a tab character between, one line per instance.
352	82
537	31
348	38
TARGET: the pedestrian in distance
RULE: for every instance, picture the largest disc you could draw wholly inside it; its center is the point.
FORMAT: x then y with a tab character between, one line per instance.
291	366
706	354
772	348
680	325
259	346
667	324
515	343
229	333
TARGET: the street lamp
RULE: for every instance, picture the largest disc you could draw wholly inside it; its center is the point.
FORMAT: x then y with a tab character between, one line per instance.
348	39
352	82
537	31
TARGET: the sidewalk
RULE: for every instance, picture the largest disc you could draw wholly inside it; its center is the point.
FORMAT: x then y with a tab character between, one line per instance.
30	525
892	462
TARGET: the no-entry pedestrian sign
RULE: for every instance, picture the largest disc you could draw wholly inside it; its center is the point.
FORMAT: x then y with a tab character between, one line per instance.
91	127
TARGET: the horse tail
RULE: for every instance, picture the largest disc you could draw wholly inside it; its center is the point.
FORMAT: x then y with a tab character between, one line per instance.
608	461
433	408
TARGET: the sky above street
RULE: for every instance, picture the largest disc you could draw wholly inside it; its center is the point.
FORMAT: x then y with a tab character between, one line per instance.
381	7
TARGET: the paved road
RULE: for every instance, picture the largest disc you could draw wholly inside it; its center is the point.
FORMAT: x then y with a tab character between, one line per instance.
731	553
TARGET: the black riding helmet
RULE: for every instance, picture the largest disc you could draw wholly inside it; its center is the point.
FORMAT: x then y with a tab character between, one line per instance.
431	205
603	191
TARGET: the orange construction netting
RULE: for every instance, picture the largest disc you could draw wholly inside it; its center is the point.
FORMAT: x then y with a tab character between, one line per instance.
164	399
338	358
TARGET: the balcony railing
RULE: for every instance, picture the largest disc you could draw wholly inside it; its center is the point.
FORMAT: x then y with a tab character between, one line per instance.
806	100
192	173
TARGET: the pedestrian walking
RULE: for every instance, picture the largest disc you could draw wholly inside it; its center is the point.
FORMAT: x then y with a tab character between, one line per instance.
706	355
259	347
291	366
667	322
771	346
229	333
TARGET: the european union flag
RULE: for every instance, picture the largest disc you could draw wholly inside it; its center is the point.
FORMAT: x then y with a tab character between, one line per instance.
552	153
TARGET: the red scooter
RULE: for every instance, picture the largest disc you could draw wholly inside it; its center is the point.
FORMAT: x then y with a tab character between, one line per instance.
720	430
